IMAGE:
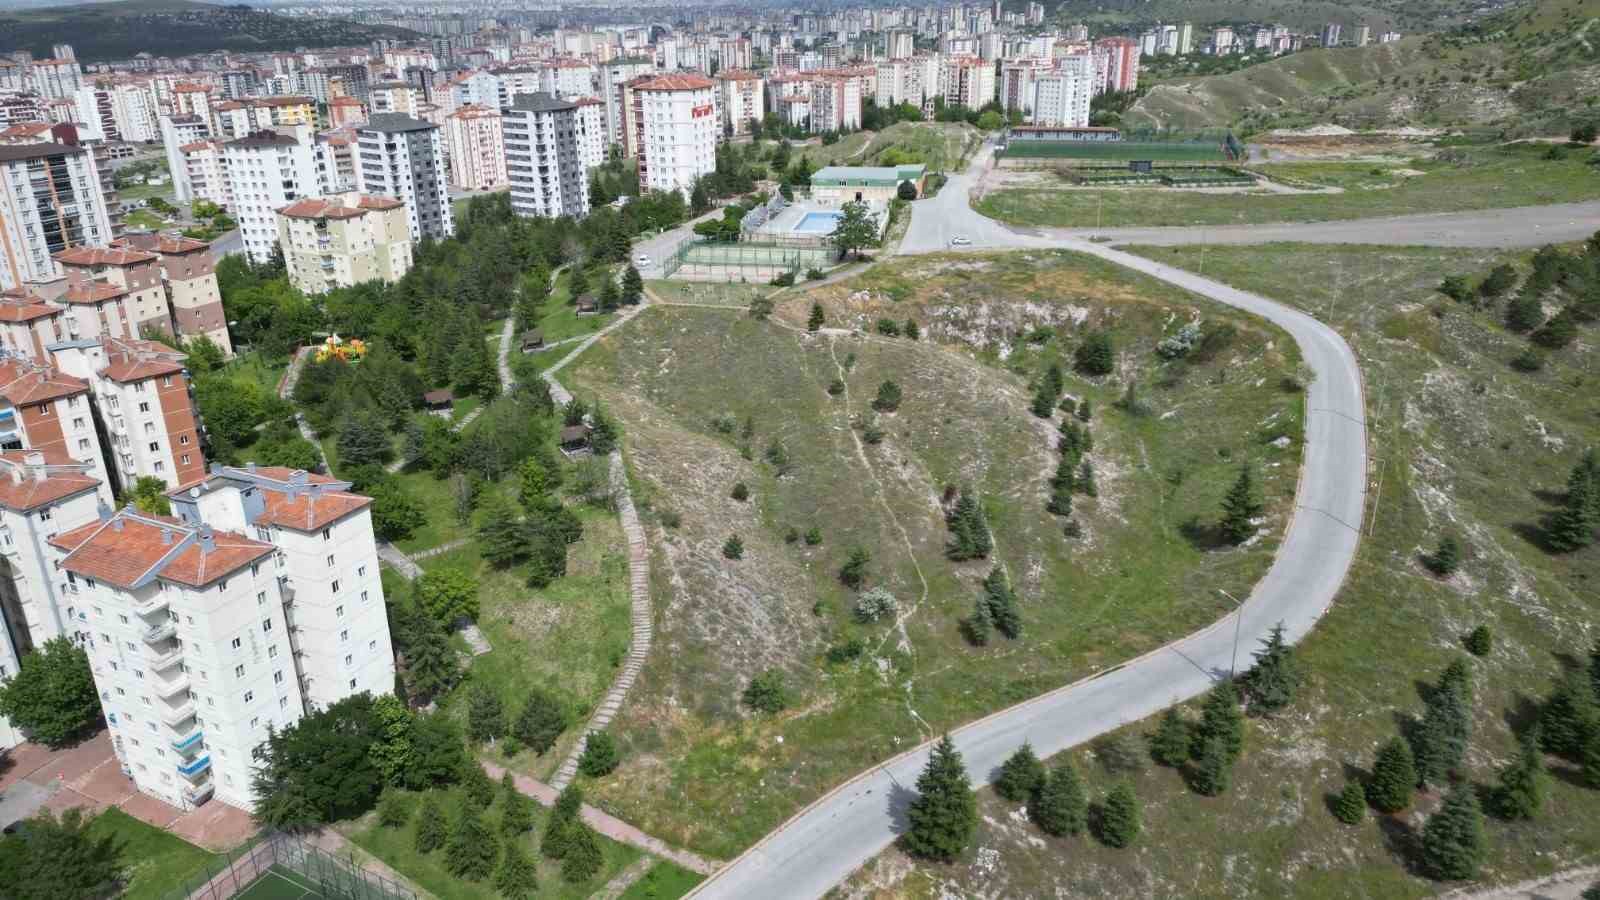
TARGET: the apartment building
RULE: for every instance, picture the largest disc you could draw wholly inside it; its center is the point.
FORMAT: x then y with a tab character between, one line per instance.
739	94
29	324
176	133
1122	55
47	410
402	157
476	147
55	79
835	104
614	76
189	275
966	81
566	78
265	172
542	159
205	171
239	118
50	199
393	97
118	292
344	240
1062	95
673	123
591	132
343	111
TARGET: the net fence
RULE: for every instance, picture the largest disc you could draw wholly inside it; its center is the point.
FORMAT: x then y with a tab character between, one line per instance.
282	859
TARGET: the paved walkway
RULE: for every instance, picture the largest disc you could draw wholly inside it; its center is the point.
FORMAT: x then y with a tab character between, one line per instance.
607	824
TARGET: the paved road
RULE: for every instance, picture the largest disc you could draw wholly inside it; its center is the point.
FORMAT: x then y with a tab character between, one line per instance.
843	830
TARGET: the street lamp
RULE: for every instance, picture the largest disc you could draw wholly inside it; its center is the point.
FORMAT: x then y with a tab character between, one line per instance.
1238	618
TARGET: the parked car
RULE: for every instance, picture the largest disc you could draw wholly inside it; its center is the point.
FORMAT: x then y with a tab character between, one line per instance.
960	241
642	260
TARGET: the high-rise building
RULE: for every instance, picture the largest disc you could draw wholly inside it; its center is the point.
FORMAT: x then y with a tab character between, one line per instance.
966	81
265	171
902	44
344	240
740	96
1185	39
836	104
44	409
141	390
189	274
1122	57
591	132
613	76
476	147
1061	96
403	158
55	79
50	200
1363	35
673	124
542	158
119	290
1330	34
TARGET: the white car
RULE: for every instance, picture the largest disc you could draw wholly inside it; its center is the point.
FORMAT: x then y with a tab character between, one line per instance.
959	241
642	260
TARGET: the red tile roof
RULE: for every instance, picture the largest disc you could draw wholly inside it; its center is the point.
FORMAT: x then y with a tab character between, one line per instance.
302	501
29	479
25	308
23	382
162	243
103	256
674	83
737	75
129	546
128	361
93	291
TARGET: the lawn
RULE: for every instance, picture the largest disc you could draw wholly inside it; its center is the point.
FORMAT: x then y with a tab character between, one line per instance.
397	848
559	317
664	881
1461	442
698	770
713	293
156	862
1483	179
147	219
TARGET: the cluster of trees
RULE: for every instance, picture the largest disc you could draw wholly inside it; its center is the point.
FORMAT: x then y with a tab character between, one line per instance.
987	117
737	169
1074	470
537	726
1572	525
969	529
538	533
995	609
877	118
60	858
1570	281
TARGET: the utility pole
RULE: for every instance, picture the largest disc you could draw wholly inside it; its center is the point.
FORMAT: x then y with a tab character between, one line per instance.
1238	621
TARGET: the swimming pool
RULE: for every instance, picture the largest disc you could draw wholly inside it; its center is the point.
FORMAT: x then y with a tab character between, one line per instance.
817	223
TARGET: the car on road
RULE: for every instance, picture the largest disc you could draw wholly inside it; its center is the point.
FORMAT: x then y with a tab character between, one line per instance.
642	259
960	241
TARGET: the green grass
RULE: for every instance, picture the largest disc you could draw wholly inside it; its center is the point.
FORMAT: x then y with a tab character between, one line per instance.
713	293
1460	441
256	367
147	219
146	192
279	884
559	318
439	504
155	862
397	848
664	881
698	772
941	146
1486	180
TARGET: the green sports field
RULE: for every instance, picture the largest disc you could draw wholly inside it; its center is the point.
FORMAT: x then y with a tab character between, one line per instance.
279	884
1117	150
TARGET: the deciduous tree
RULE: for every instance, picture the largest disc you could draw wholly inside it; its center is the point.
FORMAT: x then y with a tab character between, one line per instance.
52	696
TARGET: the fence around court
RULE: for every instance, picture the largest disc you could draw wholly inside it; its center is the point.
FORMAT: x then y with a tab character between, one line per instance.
331	877
731	260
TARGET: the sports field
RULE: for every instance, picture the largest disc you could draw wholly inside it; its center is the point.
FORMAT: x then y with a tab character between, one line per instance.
753	254
1117	150
278	883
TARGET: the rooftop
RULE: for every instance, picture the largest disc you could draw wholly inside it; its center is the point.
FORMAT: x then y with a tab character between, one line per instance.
103	256
293	498
17	152
395	122
23	382
540	102
889	174
30	479
129	549
674	83
128	361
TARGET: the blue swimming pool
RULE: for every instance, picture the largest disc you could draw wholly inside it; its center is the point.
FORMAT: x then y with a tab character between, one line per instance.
817	223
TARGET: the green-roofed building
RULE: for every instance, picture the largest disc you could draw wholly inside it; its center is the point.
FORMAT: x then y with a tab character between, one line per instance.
835	185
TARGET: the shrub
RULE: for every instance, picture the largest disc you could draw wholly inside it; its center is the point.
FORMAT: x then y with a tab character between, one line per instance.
836	387
1479	641
1351	805
813	274
1527	361
1445	560
906	191
766	692
792	535
599	755
1179	345
813	536
888	328
1095	356
854	571
783	279
740	492
733	547
394	810
847	651
875	604
888	399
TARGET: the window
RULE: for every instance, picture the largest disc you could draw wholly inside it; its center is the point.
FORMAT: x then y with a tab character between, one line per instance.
255	721
235	643
272	652
45	514
327	534
330	560
344	635
352	684
121	692
122	618
78	422
238	671
249	695
155	446
222	585
160	467
363	596
283	702
277	677
183	439
186	459
338	611
266	624
261	598
166	381
83	443
348	659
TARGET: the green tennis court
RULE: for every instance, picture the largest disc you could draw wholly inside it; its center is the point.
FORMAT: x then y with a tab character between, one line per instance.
1117	150
755	254
279	884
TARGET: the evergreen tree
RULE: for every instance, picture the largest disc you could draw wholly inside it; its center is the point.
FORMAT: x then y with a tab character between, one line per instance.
1525	783
1452	839
472	849
816	320
1061	487
632	286
1084	411
1086	485
854	571
912	330
1212	772
1095	356
1568	717
969	530
1059	806
393	810
1020	775
577	282
555	841
1220	720
609	297
430	825
583	859
503	538
1589	760
1439	742
516	809
1119	817
1479	641
1169	746
1594	668
1275	677
978	626
1351	807
1394	777
1239	506
733	547
599	755
1447	559
476	785
1572	527
1524	313
363	440
1002	603
516	878
944	814
540	722
486	718
431	666
888	398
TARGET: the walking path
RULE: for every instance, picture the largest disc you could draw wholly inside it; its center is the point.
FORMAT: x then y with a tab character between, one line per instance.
607	824
624	880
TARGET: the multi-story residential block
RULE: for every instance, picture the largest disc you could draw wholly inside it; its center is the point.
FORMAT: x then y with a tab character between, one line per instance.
240	118
393	97
475	144
542	162
675	121
344	240
29	324
901	44
835	104
44	409
267	171
614	75
1363	35
142	392
1330	34
50	199
591	132
189	275
115	292
966	81
177	132
1062	95
55	79
343	111
403	158
740	97
567	78
1122	56
205	171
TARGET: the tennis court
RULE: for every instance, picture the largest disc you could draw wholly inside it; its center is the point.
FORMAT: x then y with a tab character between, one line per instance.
755	254
278	883
1118	150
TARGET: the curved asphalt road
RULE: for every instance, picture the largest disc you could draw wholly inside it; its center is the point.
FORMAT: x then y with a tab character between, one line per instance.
828	840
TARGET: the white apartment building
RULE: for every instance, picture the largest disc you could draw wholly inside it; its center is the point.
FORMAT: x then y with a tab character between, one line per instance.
476	147
676	123
739	94
134	108
344	240
205	171
45	410
55	79
614	75
591	132
266	171
1061	96
50	199
966	81
393	97
567	78
176	132
542	159
403	158
835	104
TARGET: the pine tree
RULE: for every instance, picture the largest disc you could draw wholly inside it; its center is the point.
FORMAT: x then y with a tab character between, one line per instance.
1275	677
1020	775
1220	720
1351	807
1447	559
1572	527
912	330
1212	772
486	718
599	755
472	849
1169	746
1084	412
1061	489
969	530
609	297
1059	806
1394	777
583	858
733	547
516	810
555	841
1044	403
1594	669
944	814
503	538
816	320
1086	485
516	878
430	825
1568	716
1589	760
1119	817
1479	641
540	723
1452	839
632	286
854	571
1002	603
577	282
978	626
475	782
1525	783
1239	506
1439	742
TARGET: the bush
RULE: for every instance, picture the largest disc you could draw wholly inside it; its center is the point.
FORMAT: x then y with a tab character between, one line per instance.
847	651
394	809
1095	356
854	571
888	328
599	755
875	604
1351	805
1479	641
740	492
784	279
1528	361
1179	345
733	547
888	399
813	274
1444	561
766	693
836	387
906	191
813	536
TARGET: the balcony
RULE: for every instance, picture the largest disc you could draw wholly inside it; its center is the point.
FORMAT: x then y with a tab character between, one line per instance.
155	634
189	742
200	793
166	657
152	604
177	715
194	767
169	687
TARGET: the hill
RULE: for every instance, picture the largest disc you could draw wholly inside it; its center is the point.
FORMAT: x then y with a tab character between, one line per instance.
110	31
1531	70
1382	15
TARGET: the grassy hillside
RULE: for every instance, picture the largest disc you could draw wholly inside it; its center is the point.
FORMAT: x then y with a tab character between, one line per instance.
112	31
1532	70
1299	14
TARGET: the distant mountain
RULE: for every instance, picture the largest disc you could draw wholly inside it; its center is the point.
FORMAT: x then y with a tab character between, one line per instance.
108	31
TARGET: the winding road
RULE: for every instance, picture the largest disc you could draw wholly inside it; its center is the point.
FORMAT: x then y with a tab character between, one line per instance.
822	844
